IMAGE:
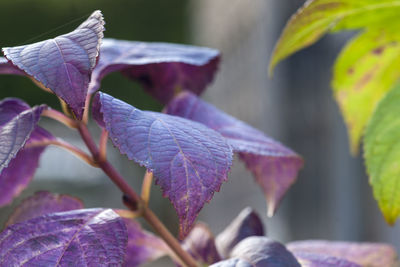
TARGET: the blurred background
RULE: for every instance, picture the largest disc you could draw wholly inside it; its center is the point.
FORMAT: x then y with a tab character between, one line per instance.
330	200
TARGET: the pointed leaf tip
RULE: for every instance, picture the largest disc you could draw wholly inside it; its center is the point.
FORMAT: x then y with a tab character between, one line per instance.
274	166
63	64
189	161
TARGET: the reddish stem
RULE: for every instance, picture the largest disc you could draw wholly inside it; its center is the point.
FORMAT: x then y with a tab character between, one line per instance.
133	201
58	116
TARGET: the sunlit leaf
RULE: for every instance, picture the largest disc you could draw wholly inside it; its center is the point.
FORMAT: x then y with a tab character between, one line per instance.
63	64
189	160
364	254
365	70
42	203
274	166
382	154
246	224
318	17
89	237
163	69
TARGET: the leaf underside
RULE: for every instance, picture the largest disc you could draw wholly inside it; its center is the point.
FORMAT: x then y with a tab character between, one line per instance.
162	68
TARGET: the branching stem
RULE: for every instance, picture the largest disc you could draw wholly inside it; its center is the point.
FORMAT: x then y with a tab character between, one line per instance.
58	116
135	203
146	187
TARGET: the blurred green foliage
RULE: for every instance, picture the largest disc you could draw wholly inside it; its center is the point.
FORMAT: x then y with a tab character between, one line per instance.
24	21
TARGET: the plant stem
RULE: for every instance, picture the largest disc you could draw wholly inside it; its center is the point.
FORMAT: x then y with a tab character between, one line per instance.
103	144
146	186
61	143
136	203
58	116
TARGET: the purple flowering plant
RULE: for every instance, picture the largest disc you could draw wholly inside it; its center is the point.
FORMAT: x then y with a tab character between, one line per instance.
187	150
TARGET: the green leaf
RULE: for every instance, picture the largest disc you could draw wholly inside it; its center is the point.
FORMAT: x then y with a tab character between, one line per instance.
364	71
382	154
317	17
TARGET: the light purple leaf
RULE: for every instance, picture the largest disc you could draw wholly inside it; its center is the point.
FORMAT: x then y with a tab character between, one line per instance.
364	254
260	251
200	243
163	69
321	260
63	64
274	166
189	160
88	237
246	224
143	246
7	67
42	203
233	263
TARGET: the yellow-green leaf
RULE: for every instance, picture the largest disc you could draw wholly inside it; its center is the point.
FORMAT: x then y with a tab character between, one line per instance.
317	17
382	154
364	71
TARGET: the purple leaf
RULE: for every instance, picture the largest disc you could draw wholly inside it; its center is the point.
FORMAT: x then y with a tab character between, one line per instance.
246	224
63	64
189	160
233	263
163	69
18	126
257	251
7	67
89	237
42	203
143	246
20	170
320	260
274	166
200	243
364	254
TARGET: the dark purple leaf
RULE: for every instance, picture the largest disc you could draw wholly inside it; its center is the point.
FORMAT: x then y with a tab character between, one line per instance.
321	260
89	237
200	243
42	203
364	254
246	224
7	67
163	69
143	246
274	166
63	64
260	251
189	160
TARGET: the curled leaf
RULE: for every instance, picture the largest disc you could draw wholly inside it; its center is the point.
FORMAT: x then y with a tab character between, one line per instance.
162	68
246	224
382	154
63	64
7	67
261	251
274	166
42	203
18	127
364	254
88	237
189	161
143	246
200	243
232	263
